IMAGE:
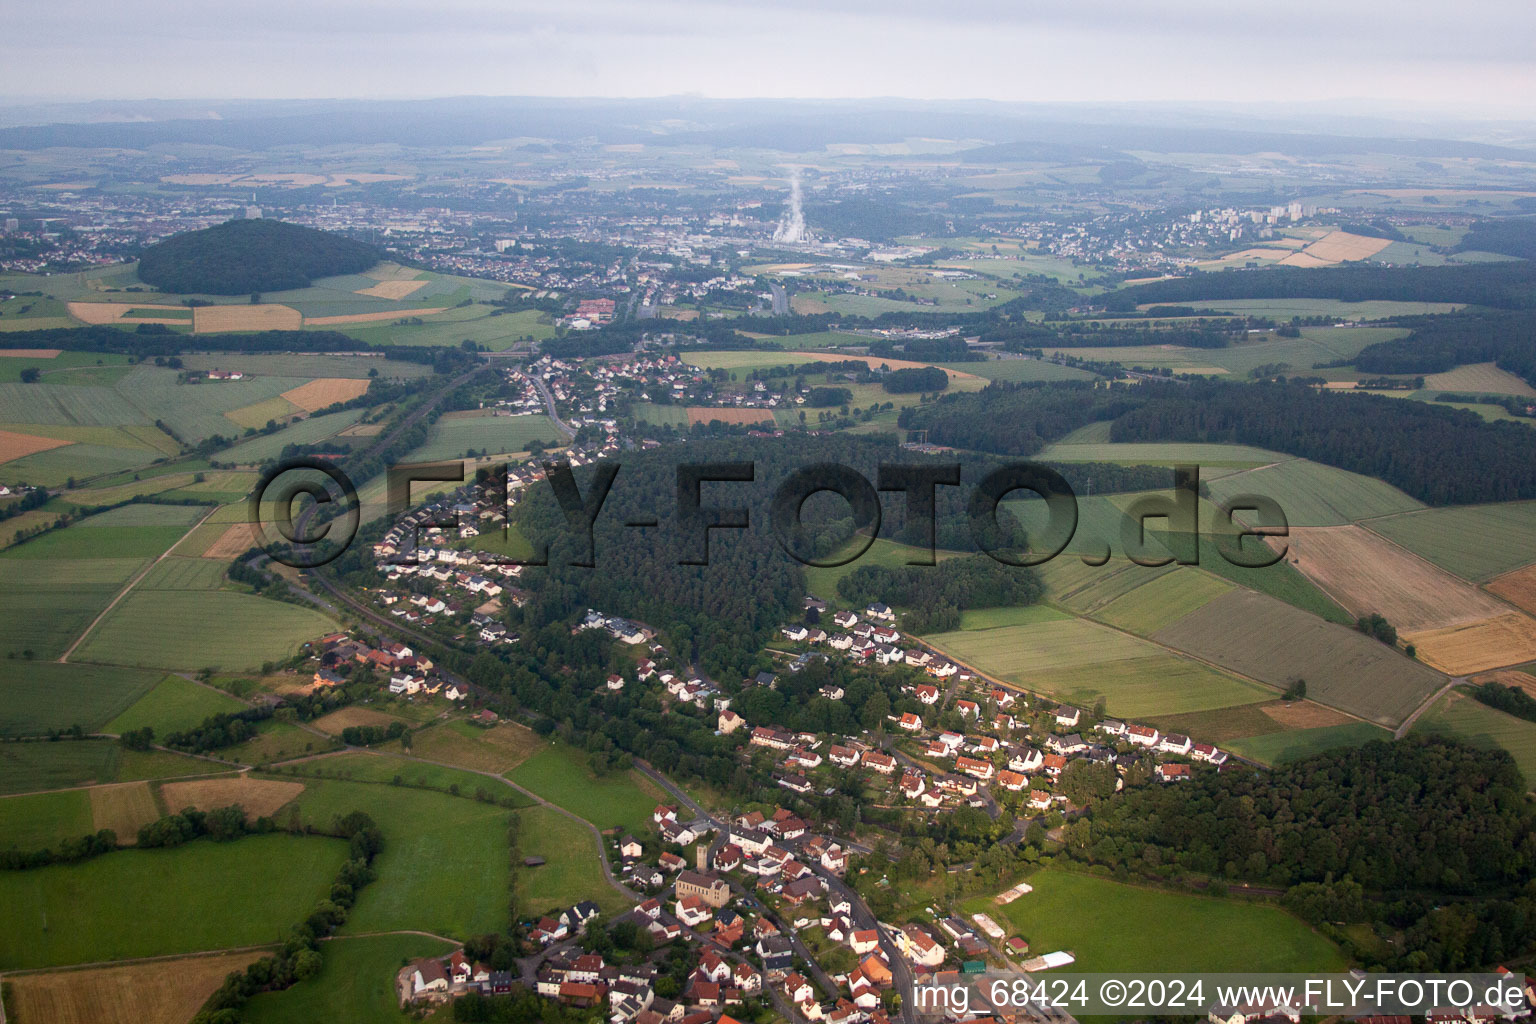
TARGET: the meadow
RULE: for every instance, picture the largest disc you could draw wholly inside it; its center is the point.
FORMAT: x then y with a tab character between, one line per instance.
1265	639
1163	600
310	430
1093	918
454	434
444	868
38	696
496	750
572	870
559	774
1295	744
46	612
189	630
355	984
1475	542
38	820
382	767
118	905
479	323
127	994
174	704
1015	370
1312	494
33	766
1464	717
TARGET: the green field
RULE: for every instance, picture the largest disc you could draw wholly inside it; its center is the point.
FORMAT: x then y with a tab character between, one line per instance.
310	430
444	867
1081	661
46	611
32	766
571	871
151	902
453	435
1163	600
477	323
884	553
1475	542
1020	370
992	618
560	775
1266	639
40	820
1113	927
1476	723
177	573
1312	494
356	984
305	364
1292	745
80	541
1156	453
190	630
660	415
174	704
61	368
38	696
358	766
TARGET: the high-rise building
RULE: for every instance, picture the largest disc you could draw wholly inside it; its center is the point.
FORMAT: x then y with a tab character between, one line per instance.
253	213
12	225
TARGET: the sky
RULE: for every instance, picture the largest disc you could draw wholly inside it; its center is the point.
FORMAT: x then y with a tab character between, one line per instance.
1473	57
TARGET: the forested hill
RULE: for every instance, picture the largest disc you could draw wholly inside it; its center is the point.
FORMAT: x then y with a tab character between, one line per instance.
1441	456
1510	285
1443	342
243	256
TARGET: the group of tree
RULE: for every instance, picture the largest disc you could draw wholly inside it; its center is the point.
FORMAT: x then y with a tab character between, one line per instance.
239	257
933	597
913	379
1509	699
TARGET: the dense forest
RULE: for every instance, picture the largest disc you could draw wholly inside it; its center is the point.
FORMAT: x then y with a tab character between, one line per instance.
243	256
1443	342
933	597
913	379
1441	456
1500	285
1506	237
1425	835
1019	336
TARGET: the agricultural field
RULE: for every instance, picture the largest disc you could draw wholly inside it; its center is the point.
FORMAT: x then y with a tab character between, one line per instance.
1504	640
993	618
189	630
305	364
1174	931
1163	600
1464	717
259	414
497	750
485	325
559	774
1250	720
47	612
275	741
572	869
1479	378
1518	588
1312	494
701	414
660	415
1365	574
353	715
423	831
38	820
376	766
124	808
1266	639
1070	449
116	906
130	994
1295	744
57	367
38	696
1081	661
260	798
1475	542
1019	370
177	573
33	766
456	433
356	985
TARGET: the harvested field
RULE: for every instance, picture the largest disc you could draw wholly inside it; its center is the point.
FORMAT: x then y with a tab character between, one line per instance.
1266	639
31	353
112	312
1366	573
391	272
16	446
1518	680
1304	714
234	541
398	289
1504	640
259	414
325	391
1341	247
124	808
259	797
704	414
1518	588
1480	378
368	318
267	316
164	992
348	717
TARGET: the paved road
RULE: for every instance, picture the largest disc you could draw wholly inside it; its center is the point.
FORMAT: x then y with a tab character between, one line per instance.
549	404
780	299
1402	730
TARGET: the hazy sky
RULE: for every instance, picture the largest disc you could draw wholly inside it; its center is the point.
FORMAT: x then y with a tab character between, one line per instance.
1474	55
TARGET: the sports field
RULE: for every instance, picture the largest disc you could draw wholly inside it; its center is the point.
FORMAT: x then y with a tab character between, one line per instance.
38	696
189	630
116	906
1312	494
170	990
571	871
444	865
1172	931
1266	639
356	984
1476	542
1471	721
560	775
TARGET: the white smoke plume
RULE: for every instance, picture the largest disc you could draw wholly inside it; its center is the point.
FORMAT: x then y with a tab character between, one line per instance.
792	224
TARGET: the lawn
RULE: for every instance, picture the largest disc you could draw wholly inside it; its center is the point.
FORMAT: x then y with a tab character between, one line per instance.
31	766
174	704
571	871
190	630
38	696
356	984
444	867
1476	723
455	434
122	904
559	774
1279	747
1475	542
1172	931
1311	494
42	819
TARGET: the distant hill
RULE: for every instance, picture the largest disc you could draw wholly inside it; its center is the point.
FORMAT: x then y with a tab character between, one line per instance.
243	256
